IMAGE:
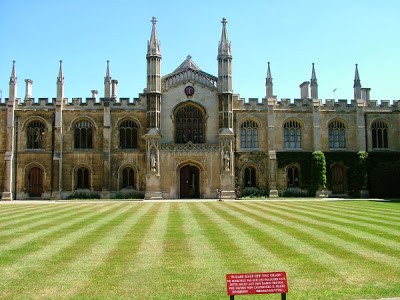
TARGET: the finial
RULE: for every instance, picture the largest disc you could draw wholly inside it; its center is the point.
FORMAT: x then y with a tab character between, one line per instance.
224	21
189	56
154	20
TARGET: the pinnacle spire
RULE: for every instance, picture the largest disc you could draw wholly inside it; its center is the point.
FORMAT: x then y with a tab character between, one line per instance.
268	83
224	45
107	78
13	77
60	78
313	76
314	84
269	72
357	82
153	47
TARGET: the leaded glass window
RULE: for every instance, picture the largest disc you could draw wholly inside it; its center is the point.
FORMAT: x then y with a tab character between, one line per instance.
82	178
337	135
292	134
379	134
83	135
189	125
128	135
249	134
35	134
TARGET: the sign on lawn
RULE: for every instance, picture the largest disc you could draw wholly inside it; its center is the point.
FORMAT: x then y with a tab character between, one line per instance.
256	283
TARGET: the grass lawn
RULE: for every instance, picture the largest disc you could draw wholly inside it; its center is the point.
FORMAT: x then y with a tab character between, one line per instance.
182	250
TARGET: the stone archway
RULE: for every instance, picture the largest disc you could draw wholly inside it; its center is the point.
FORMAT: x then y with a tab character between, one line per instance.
189	182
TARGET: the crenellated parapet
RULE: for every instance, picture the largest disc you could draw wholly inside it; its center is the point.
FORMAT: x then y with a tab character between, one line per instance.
340	105
77	103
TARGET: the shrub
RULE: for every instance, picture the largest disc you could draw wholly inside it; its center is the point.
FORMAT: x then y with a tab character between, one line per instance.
318	170
129	195
253	192
294	193
84	195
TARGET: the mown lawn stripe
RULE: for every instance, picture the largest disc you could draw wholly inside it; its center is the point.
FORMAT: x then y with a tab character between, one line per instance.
354	230
361	209
334	243
315	261
13	218
36	222
37	236
110	278
376	223
22	269
234	241
142	275
86	255
207	265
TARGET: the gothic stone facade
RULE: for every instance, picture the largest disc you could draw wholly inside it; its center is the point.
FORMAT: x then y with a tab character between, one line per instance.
186	136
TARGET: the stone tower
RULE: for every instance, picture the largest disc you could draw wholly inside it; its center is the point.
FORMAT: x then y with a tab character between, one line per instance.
9	157
226	135
153	97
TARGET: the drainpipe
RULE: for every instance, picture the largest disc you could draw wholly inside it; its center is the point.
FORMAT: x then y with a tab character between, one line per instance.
52	154
16	158
366	132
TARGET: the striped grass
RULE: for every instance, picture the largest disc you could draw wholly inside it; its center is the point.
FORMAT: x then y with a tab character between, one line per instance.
182	250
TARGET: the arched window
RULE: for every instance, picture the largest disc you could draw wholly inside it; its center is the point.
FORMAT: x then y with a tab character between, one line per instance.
128	135
35	134
249	134
379	134
83	135
292	134
128	178
250	177
337	135
293	176
189	125
82	178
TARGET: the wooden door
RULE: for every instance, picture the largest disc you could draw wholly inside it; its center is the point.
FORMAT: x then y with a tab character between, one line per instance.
189	182
35	179
338	178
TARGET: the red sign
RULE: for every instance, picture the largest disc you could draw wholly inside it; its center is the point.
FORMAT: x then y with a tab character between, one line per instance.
256	283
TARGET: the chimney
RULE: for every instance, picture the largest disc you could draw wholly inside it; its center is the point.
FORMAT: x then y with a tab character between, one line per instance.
114	86
94	94
304	87
365	93
28	89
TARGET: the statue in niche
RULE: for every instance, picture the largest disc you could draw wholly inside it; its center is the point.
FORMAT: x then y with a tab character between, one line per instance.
153	161
227	161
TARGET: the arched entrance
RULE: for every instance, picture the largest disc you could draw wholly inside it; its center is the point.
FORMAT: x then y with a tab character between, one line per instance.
338	179
35	182
189	176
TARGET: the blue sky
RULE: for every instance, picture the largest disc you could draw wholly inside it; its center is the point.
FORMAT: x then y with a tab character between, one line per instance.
335	35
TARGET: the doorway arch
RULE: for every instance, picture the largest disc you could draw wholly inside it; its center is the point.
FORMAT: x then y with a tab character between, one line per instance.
189	182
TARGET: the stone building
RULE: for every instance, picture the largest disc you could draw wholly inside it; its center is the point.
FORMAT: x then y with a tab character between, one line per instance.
186	136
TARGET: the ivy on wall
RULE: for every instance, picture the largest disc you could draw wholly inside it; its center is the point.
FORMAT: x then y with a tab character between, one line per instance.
318	171
356	163
315	168
303	159
384	174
